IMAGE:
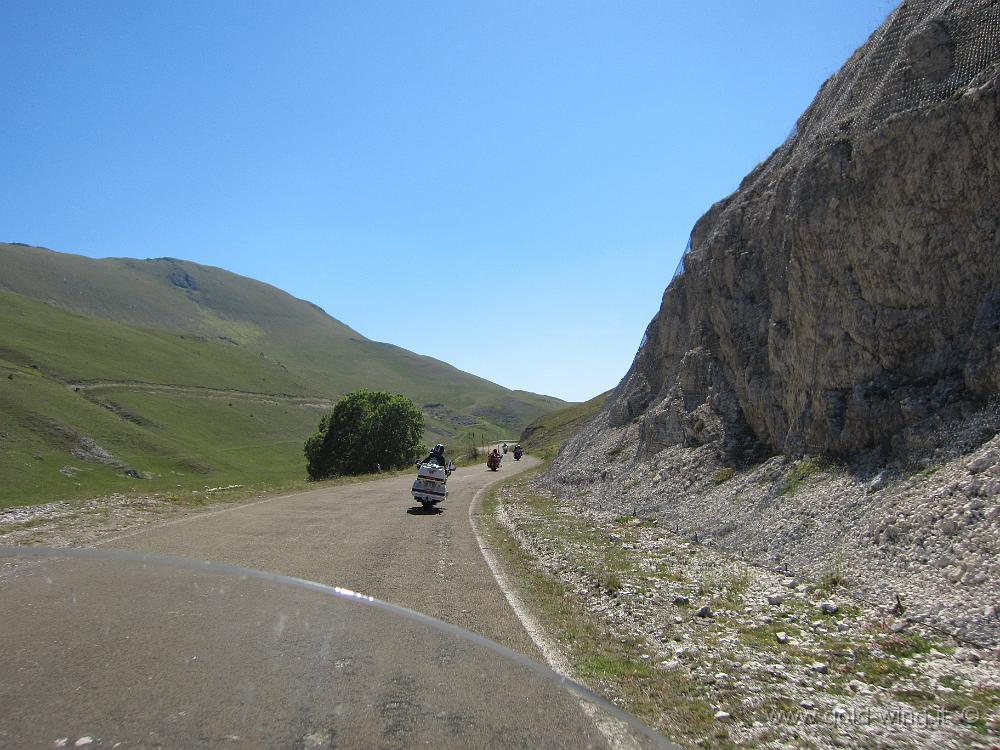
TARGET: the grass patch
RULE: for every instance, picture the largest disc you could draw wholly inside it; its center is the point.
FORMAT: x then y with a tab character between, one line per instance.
764	637
723	475
614	666
29	524
736	588
915	697
950	682
636	521
905	646
801	472
884	671
612	583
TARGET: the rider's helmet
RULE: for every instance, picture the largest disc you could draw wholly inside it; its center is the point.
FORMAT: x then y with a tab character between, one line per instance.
439	449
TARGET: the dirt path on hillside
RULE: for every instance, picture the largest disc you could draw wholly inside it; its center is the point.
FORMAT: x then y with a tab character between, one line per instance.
137	385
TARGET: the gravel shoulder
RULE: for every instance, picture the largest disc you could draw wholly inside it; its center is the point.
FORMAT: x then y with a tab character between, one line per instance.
714	651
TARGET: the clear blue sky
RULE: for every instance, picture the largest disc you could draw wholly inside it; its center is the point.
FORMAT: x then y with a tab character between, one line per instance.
396	162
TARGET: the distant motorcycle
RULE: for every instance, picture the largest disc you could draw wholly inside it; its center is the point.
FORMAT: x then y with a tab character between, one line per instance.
493	462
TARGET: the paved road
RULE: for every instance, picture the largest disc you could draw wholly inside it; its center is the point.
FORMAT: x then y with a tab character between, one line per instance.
151	657
371	538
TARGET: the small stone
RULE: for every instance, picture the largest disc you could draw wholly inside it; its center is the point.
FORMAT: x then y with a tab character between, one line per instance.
84	741
678	619
820	667
722	716
681	601
982	463
967	655
789	583
782	637
721	676
898	626
855	685
807	705
843	627
774	599
705	611
669	665
878	482
829	608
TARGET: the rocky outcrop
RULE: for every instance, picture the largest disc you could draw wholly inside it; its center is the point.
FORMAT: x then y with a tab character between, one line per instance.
844	301
850	289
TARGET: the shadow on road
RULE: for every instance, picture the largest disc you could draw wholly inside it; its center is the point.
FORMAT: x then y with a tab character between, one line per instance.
419	510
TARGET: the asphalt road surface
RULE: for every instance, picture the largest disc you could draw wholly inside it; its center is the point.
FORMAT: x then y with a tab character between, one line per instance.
100	652
372	538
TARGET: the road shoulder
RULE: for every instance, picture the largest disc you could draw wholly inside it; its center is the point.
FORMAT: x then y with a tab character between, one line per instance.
621	601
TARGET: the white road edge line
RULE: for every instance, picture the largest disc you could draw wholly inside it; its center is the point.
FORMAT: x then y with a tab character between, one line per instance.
613	730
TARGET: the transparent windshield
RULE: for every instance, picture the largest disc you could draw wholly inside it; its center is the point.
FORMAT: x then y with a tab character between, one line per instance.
115	649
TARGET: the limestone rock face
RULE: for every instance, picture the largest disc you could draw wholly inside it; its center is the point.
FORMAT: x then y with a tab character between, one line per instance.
851	287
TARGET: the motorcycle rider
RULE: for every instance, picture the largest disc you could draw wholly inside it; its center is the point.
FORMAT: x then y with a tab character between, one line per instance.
436	457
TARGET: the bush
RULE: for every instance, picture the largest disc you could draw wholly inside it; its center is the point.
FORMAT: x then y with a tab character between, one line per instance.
366	431
723	475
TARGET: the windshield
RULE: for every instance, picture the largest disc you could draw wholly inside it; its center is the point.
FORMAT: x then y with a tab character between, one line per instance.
117	649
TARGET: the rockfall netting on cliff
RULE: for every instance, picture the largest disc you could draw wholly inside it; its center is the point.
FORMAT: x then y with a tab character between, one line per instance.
948	45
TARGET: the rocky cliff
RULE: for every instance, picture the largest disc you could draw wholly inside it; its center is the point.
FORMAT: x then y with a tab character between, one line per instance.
851	286
845	301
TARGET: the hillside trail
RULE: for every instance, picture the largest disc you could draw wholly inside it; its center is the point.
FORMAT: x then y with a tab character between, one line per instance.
137	385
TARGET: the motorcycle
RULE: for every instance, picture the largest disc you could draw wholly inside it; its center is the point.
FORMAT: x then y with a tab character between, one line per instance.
431	485
493	462
518	452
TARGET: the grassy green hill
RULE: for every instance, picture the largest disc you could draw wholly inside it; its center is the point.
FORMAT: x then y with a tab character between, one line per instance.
547	434
188	375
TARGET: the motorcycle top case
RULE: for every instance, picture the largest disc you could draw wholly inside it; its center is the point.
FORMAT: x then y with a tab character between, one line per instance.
432	472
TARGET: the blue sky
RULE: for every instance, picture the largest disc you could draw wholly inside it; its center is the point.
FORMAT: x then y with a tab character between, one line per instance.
525	172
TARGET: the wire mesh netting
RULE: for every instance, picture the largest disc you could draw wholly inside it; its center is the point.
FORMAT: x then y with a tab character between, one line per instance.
925	52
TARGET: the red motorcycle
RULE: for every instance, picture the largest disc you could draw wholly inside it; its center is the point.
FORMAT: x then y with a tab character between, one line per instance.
493	462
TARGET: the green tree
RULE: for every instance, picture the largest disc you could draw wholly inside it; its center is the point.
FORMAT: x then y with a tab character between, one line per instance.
366	430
